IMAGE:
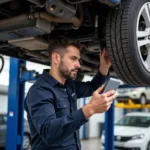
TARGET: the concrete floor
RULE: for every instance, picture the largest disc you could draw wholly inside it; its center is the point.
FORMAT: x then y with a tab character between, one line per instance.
91	144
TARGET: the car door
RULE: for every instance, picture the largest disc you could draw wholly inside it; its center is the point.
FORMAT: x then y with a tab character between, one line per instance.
2	131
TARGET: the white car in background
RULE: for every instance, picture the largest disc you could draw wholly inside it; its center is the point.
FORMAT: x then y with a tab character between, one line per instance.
140	95
131	132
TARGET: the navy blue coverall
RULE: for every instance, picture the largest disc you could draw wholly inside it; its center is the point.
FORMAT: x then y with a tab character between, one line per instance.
52	111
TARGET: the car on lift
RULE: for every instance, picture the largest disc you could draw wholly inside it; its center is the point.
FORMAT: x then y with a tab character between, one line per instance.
132	131
27	27
3	127
139	95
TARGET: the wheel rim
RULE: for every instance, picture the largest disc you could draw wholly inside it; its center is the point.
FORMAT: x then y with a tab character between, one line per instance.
143	100
143	35
26	142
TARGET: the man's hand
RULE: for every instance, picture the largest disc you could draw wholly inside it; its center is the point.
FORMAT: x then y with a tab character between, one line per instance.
99	102
104	62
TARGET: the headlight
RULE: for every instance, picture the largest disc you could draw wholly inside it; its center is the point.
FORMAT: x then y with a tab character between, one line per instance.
141	136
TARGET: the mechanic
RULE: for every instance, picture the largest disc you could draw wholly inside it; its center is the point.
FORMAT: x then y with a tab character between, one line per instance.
51	102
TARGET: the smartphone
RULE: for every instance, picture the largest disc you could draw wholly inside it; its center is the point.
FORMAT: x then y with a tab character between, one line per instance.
111	84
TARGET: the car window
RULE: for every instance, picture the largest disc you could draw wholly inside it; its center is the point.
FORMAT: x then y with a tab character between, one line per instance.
1	120
136	121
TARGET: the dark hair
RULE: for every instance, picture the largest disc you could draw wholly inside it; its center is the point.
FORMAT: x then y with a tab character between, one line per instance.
60	47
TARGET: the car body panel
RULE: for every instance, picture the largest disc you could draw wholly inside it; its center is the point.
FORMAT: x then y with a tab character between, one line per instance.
133	94
123	135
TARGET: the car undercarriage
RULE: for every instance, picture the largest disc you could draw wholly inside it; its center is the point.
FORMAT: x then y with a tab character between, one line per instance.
28	26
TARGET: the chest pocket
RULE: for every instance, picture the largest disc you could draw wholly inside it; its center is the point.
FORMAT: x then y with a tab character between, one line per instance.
62	109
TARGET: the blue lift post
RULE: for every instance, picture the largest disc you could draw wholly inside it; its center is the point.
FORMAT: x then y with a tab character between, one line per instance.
84	126
109	125
109	128
15	116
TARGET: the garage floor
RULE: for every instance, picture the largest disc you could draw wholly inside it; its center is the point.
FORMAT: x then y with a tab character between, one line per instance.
91	144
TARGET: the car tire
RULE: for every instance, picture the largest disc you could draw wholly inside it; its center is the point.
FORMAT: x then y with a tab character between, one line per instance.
26	141
143	100
148	146
130	62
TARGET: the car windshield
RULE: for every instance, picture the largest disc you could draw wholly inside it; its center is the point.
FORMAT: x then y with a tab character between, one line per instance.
136	121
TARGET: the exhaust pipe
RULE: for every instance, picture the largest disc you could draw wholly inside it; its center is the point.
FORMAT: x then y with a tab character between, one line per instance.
14	21
47	17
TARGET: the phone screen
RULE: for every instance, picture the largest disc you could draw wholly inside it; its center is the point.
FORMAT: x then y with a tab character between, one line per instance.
111	84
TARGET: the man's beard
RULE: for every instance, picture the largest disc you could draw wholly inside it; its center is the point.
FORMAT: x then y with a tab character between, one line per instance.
65	72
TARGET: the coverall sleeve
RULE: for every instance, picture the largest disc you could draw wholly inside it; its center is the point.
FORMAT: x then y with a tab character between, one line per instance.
85	89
